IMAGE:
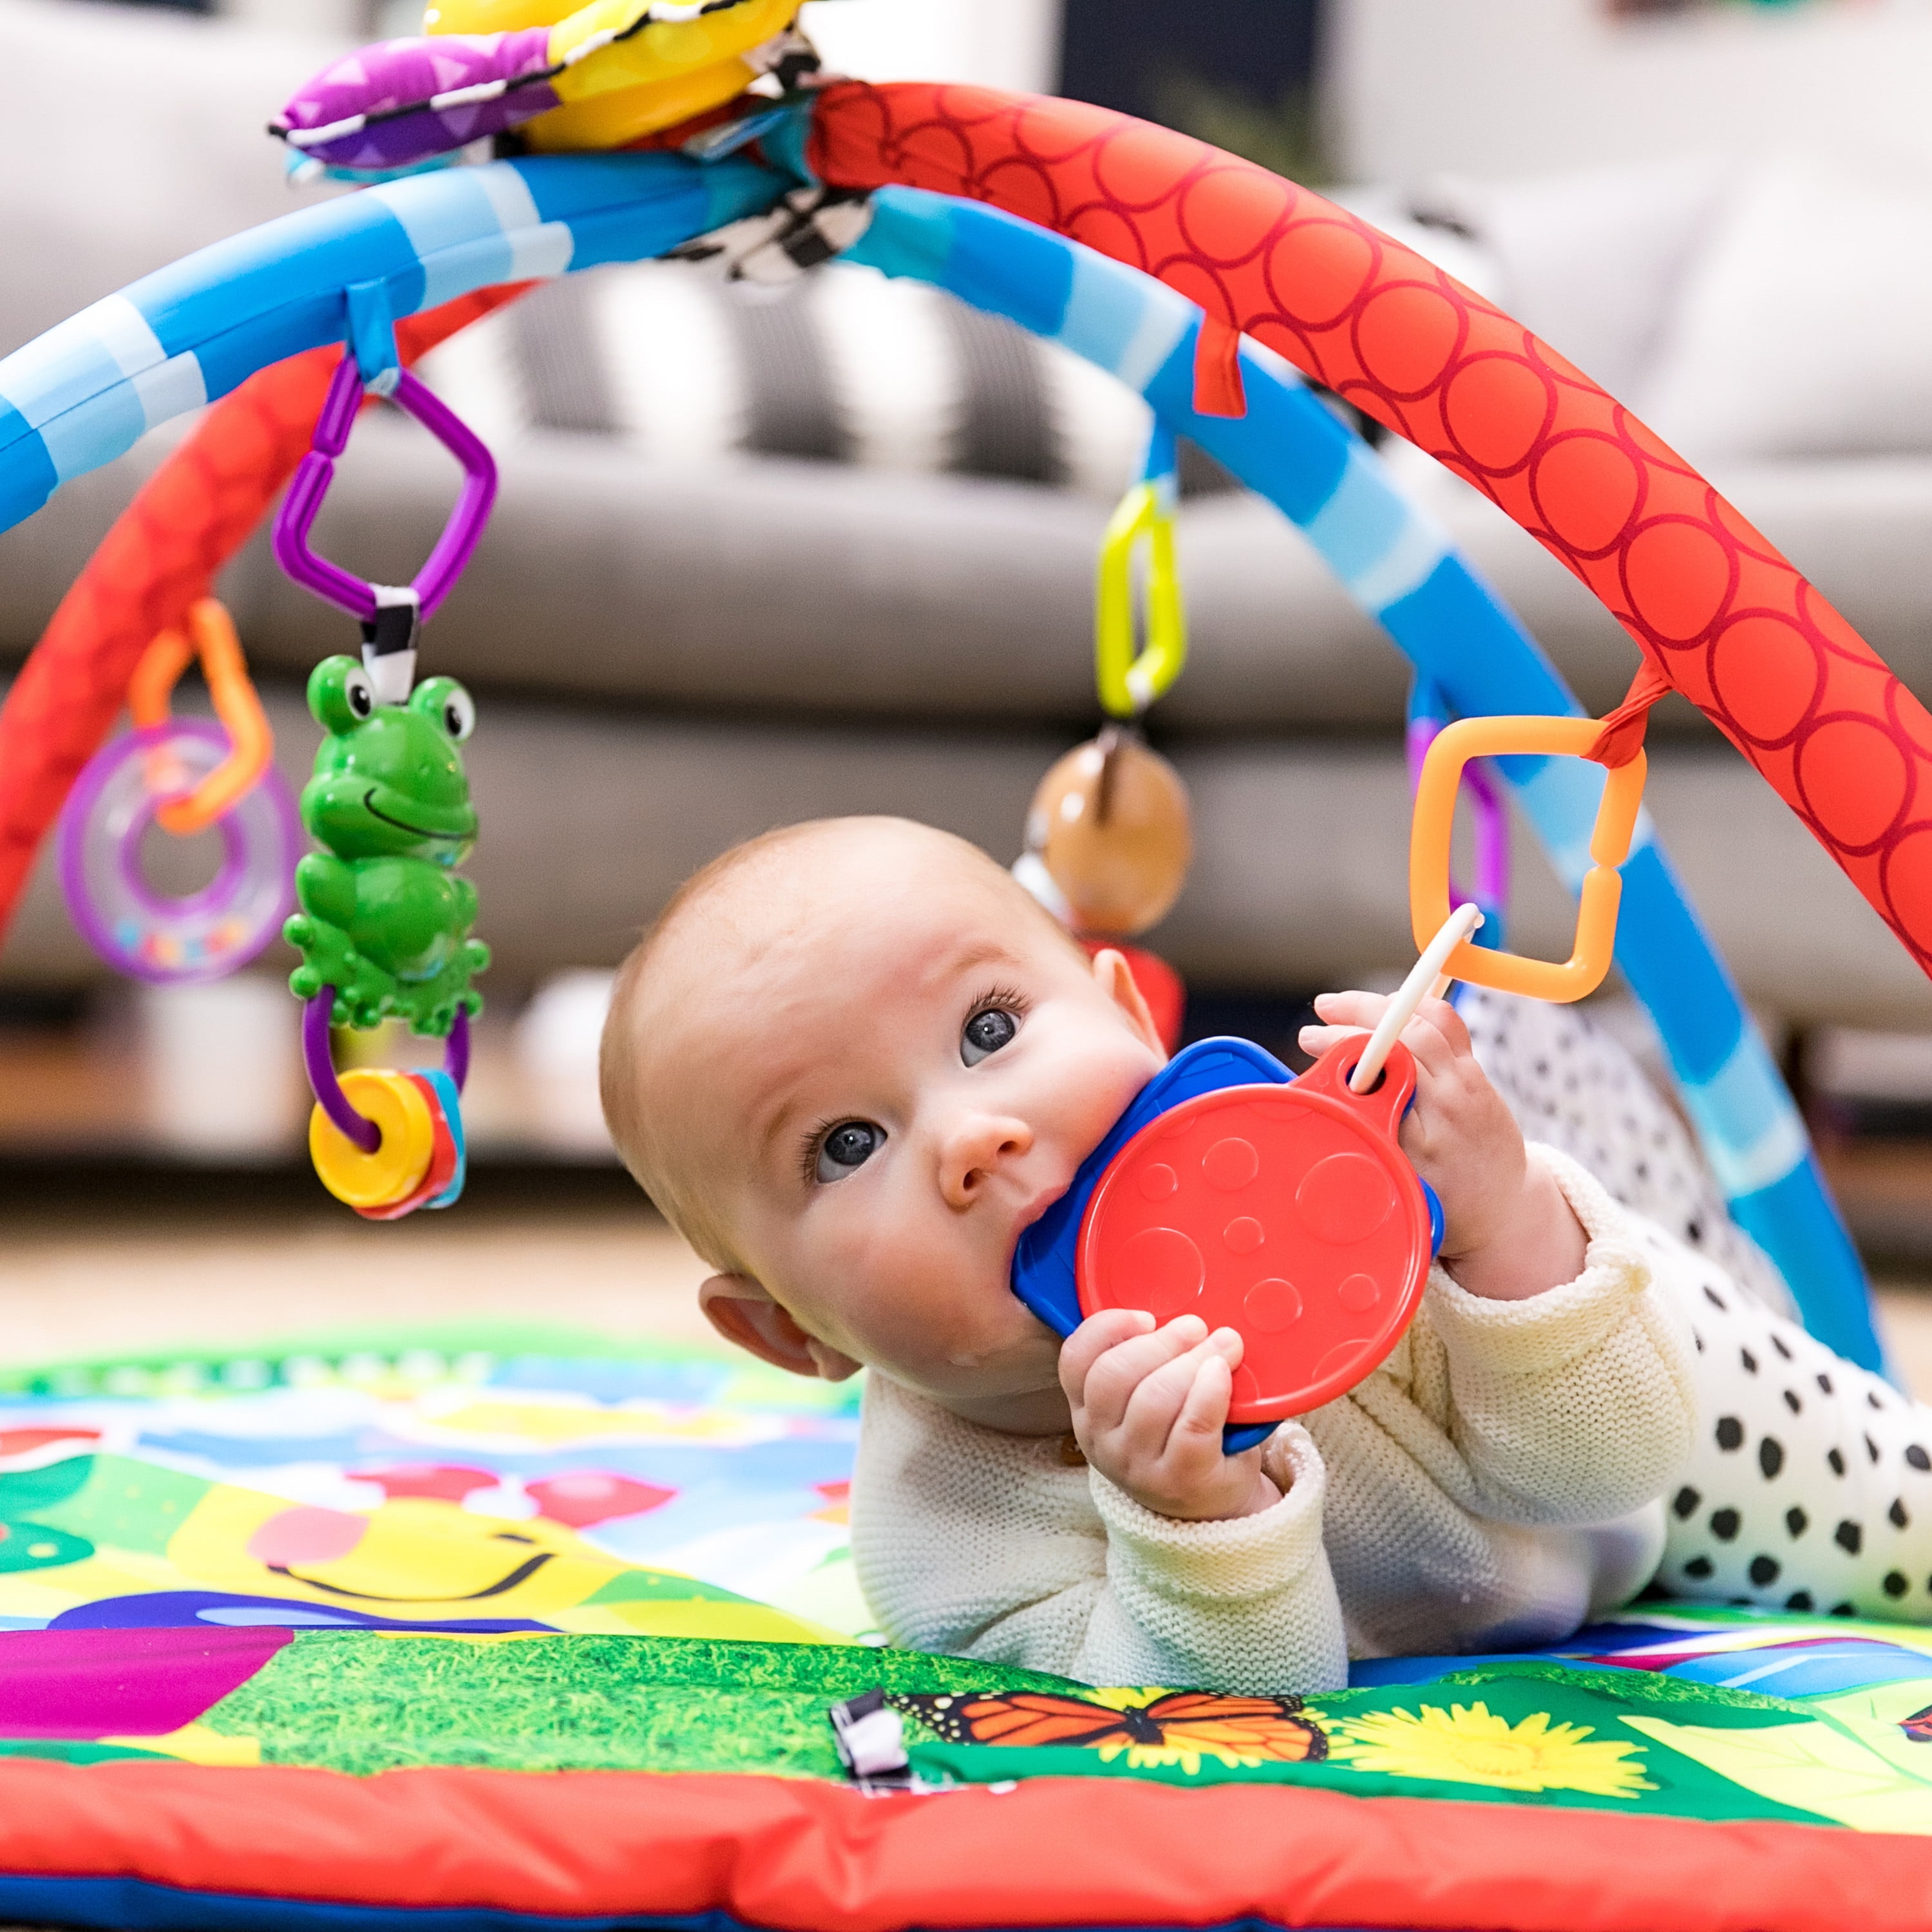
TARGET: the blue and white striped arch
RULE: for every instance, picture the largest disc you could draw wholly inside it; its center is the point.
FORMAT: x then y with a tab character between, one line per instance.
85	392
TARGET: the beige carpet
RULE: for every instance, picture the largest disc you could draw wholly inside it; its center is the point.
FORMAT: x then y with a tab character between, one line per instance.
68	1290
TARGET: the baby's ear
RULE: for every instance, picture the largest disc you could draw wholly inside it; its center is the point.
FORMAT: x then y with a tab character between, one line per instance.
744	1314
1116	979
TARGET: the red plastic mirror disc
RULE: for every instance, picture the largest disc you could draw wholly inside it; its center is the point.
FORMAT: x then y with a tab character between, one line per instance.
442	1170
1288	1213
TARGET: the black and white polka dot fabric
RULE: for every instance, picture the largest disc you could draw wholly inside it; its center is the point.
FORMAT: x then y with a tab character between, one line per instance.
1809	1487
1574	1087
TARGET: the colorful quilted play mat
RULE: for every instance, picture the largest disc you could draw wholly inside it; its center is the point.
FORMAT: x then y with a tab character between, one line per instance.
523	1628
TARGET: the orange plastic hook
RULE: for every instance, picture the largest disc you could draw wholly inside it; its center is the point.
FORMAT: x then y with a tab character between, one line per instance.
1589	961
212	638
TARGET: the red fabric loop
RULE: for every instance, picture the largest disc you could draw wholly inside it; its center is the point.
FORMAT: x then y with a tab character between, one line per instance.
1218	390
1621	737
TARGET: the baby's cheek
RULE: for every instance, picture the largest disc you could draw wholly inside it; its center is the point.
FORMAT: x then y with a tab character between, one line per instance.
885	1272
921	1297
1092	1083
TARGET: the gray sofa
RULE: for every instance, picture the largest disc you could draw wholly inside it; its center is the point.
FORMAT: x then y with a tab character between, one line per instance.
675	642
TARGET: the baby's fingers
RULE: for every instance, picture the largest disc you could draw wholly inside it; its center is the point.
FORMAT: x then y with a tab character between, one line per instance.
1194	1440
1092	1339
1355	1009
1314	1041
1154	1409
1438	1038
1119	1374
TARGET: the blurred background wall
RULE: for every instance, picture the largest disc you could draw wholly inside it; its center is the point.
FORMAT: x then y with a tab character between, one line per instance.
1513	86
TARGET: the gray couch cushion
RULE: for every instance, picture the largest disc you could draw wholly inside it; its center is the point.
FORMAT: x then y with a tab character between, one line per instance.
817	589
589	823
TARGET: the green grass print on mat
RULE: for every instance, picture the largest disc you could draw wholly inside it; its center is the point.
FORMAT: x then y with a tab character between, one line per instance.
364	1701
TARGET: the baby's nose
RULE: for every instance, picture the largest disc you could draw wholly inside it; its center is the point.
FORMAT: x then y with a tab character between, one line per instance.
975	1151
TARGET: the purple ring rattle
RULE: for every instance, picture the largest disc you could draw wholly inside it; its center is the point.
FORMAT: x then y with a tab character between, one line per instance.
454	549
156	936
358	1129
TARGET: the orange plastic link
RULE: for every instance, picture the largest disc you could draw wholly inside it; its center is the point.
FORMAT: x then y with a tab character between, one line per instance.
1589	961
251	740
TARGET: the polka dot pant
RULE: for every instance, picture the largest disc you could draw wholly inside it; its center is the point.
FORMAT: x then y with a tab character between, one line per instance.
1810	1486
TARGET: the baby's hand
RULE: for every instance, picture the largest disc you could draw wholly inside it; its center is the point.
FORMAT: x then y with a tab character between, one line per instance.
1149	1405
1508	1231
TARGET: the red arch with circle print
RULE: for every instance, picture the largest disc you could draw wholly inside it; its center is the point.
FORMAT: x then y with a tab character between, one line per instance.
1716	608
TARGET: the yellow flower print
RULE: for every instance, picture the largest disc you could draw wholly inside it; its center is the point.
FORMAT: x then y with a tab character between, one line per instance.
1185	1756
1466	1745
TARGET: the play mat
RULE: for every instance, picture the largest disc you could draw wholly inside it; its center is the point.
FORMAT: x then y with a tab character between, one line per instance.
380	1568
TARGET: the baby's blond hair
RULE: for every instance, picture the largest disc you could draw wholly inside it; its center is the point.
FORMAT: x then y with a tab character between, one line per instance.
617	1082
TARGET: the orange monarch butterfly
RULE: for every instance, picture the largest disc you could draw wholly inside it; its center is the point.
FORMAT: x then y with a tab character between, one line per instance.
1263	1727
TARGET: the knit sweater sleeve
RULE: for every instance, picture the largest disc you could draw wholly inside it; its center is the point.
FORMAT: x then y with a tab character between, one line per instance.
1000	1547
1574	1406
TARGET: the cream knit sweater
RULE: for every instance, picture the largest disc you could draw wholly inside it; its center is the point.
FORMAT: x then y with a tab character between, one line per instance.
1496	1479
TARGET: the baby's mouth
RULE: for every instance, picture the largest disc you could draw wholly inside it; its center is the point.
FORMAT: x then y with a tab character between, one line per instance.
1032	1211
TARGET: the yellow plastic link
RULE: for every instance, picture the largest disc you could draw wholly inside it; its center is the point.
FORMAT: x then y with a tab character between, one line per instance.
1589	961
396	1169
1131	679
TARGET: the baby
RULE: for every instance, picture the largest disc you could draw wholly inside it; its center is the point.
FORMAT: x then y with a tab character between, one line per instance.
854	1060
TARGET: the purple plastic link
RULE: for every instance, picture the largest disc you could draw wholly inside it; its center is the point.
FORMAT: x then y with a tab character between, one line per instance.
320	1062
1491	882
383	96
471	517
356	1128
460	536
1492	839
336	422
456	1054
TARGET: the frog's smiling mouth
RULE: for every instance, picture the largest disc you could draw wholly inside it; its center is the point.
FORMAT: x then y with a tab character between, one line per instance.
374	810
522	1574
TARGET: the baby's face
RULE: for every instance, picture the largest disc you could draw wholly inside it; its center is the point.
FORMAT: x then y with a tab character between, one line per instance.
874	1102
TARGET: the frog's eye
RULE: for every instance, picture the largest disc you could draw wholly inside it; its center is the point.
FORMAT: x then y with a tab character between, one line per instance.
446	701
340	694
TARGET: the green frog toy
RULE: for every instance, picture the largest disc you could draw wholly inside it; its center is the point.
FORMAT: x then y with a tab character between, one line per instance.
384	919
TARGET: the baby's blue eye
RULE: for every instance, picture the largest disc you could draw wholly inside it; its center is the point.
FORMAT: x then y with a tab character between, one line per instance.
986	1033
848	1146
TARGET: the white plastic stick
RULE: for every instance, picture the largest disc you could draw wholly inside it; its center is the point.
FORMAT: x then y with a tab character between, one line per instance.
1426	980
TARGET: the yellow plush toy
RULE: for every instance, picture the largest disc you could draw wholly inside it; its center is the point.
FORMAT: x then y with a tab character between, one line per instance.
644	77
563	78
